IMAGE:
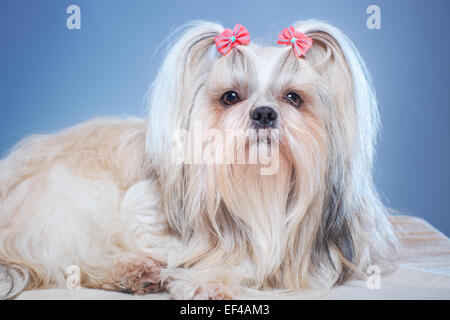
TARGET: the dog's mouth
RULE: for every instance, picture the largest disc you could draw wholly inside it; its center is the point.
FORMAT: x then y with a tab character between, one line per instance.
266	135
266	141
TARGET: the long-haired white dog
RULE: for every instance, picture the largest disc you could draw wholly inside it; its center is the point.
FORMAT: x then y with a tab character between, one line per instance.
107	196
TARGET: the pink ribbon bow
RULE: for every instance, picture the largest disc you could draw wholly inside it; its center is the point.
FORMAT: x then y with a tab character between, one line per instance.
299	41
229	39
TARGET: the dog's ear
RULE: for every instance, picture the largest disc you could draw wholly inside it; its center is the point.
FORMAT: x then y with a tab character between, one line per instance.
189	57
352	215
335	58
171	97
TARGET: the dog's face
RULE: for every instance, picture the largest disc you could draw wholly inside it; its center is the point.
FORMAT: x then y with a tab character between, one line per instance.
263	88
268	89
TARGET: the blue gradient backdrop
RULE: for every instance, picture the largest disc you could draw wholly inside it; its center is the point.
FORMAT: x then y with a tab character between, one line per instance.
52	77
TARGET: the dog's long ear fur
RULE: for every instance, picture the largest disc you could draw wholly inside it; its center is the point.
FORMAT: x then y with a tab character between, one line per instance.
171	99
354	230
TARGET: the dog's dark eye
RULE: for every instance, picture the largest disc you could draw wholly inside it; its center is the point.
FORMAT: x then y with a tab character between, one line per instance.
293	99
229	98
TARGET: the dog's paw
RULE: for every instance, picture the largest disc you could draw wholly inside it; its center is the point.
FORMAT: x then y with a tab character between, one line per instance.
138	275
214	291
210	290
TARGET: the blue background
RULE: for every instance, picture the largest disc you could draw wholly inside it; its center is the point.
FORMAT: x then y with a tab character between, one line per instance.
52	77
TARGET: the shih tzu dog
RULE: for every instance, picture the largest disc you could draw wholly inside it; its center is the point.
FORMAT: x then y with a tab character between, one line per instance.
134	206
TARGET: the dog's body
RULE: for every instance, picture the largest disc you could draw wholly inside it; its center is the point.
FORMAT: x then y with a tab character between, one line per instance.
67	199
106	197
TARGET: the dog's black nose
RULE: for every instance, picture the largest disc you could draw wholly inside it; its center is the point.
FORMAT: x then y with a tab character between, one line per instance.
264	117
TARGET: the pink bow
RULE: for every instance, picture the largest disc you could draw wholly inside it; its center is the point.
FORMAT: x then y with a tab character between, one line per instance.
299	41
229	39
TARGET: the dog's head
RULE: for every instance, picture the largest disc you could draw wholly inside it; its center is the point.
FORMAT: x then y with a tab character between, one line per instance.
319	117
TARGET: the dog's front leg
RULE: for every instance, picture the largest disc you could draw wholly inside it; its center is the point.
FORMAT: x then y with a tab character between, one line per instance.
198	270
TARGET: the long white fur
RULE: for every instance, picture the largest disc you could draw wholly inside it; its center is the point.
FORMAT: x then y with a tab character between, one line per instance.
105	196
